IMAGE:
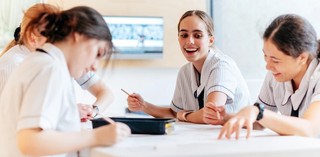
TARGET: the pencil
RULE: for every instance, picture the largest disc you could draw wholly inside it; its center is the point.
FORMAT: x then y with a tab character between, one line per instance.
129	95
217	112
125	91
218	115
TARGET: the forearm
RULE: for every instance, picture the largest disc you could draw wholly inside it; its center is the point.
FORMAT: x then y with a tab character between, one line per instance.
157	111
36	142
104	100
287	125
104	96
195	117
257	126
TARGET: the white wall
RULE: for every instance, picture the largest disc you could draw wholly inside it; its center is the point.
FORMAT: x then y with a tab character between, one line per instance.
156	85
240	25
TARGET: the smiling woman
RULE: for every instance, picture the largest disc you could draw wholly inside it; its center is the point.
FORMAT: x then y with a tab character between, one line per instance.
291	53
210	79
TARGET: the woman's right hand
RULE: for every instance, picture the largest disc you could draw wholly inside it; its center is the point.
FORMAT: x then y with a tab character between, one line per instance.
135	102
111	134
244	118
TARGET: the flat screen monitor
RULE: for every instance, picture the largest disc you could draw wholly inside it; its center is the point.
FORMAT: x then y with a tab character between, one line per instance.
136	37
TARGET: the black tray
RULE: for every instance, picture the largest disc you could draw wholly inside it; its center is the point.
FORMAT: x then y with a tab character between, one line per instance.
156	126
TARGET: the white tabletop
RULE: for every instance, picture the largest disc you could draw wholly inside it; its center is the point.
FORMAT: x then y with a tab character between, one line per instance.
201	140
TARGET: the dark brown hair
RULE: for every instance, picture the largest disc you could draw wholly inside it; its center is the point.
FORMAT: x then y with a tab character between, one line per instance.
293	35
82	19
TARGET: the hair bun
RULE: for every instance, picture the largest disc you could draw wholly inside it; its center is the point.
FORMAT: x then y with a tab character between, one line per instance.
17	34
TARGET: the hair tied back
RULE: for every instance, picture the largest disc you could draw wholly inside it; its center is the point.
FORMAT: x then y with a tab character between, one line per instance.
17	34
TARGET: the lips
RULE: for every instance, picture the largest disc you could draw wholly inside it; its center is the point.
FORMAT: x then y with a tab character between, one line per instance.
276	74
191	50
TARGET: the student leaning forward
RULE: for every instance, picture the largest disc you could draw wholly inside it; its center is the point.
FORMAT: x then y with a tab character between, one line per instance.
39	115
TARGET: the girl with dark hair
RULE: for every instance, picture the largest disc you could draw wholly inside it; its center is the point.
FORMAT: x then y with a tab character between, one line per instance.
211	78
27	40
291	87
39	115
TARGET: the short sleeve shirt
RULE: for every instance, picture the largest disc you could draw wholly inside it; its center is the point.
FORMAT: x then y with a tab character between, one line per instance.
15	55
87	80
9	61
279	96
219	74
38	94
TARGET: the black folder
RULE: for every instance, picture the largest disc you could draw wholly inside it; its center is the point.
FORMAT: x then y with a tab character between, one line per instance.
155	126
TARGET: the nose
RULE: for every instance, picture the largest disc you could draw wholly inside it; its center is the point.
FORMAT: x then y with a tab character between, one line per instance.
268	64
191	40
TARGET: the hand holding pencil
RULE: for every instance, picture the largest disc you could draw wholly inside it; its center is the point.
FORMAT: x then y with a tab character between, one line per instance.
135	101
213	114
108	135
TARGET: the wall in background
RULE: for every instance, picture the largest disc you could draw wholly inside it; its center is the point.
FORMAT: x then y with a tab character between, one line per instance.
155	85
240	25
170	10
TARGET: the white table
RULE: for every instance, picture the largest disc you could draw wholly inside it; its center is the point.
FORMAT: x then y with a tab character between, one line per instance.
201	140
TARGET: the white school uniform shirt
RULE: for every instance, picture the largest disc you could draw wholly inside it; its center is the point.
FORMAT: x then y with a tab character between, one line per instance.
9	61
87	80
15	55
219	74
38	94
279	96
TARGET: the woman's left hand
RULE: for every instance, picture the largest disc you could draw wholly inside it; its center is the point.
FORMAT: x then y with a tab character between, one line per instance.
86	112
244	118
213	114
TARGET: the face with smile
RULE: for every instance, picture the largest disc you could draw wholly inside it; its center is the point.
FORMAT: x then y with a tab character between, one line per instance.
284	67
194	39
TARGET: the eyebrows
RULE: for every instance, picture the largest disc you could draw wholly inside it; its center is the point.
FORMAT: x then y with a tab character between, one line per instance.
272	57
193	31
